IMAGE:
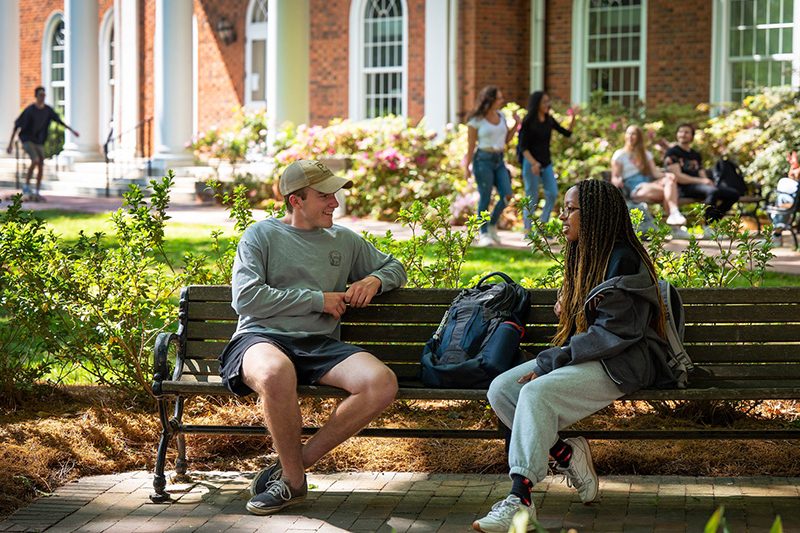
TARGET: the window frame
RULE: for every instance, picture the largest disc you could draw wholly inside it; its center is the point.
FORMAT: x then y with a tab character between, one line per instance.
107	83
357	85
255	32
50	27
721	90
580	92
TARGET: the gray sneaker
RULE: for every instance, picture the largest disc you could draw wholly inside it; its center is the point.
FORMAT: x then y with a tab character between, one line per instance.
263	478
276	496
501	517
580	472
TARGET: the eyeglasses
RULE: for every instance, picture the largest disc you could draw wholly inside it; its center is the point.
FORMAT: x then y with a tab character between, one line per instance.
567	211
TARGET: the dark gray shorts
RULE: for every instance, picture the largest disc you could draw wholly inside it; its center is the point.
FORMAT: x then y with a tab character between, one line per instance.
313	357
34	151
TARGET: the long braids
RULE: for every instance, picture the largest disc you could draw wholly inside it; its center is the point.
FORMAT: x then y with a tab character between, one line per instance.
604	219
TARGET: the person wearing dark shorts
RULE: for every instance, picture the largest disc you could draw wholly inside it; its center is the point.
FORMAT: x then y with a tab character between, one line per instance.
293	279
33	125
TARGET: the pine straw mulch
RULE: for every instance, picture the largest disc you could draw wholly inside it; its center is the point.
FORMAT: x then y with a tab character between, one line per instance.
57	435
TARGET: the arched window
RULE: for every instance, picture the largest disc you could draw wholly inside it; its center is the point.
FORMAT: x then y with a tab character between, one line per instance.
107	75
379	40
609	43
53	74
255	92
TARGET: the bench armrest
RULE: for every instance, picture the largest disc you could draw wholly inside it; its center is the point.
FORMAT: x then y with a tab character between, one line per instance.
160	362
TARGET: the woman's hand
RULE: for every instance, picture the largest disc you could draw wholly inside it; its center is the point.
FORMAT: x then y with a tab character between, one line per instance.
530	376
467	172
617	182
557	308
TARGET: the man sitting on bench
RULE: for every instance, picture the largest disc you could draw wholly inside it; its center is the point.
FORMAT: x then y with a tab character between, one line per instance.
693	182
290	289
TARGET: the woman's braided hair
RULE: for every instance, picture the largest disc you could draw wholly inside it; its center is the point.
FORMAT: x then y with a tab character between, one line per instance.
604	219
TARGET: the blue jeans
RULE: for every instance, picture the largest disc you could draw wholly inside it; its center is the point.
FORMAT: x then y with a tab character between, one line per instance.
531	181
490	171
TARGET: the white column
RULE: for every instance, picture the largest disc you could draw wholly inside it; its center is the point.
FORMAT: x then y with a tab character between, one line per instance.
126	86
536	79
287	63
436	65
173	83
82	79
9	67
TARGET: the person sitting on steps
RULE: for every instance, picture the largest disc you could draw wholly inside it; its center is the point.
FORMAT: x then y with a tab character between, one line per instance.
634	171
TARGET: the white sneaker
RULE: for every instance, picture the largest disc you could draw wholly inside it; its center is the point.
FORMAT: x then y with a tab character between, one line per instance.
493	234
676	219
501	517
580	473
485	240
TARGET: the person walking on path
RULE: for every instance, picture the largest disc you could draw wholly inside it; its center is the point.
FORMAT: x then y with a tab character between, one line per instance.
634	171
292	281
487	128
609	342
33	125
534	150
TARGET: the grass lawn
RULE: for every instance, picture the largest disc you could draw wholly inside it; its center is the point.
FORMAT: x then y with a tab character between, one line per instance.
182	238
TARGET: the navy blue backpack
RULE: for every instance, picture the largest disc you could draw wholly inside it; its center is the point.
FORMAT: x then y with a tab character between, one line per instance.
478	337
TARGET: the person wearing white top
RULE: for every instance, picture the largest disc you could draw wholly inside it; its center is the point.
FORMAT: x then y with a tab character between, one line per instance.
487	130
634	171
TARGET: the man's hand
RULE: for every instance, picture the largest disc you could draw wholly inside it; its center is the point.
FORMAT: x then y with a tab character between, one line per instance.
8	150
333	303
530	376
360	293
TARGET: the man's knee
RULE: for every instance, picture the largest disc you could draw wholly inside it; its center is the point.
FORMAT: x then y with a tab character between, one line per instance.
268	371
383	385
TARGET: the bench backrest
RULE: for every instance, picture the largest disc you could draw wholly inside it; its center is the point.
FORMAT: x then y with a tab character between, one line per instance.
750	336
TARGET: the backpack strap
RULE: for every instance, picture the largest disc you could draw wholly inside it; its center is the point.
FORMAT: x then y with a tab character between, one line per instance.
503	275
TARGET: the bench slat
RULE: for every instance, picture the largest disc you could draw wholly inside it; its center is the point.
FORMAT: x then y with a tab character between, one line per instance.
743	295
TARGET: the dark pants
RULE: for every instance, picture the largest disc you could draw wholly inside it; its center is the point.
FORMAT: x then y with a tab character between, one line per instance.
718	199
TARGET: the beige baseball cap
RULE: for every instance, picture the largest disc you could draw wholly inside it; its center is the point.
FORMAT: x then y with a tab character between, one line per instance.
305	173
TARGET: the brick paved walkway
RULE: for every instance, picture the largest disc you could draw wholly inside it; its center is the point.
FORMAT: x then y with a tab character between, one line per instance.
406	502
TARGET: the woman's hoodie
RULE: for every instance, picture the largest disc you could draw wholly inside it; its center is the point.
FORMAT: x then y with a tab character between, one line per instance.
620	313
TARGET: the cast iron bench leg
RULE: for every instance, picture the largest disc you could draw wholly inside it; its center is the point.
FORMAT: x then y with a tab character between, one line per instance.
159	480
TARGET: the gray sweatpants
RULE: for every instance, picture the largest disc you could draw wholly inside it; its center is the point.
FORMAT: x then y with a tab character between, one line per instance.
535	411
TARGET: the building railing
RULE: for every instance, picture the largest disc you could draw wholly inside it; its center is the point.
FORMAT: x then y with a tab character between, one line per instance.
142	152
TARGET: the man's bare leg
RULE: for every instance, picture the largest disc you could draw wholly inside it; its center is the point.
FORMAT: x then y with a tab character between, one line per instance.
271	374
39	174
372	387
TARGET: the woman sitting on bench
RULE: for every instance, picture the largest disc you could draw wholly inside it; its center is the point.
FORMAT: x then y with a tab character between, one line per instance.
634	171
609	342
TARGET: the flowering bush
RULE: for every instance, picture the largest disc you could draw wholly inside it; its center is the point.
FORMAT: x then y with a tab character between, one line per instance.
245	138
393	161
759	134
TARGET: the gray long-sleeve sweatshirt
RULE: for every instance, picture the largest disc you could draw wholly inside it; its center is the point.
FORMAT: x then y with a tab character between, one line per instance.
280	273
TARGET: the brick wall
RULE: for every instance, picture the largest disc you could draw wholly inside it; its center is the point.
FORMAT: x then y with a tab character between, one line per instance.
558	49
678	52
33	17
494	49
328	59
221	69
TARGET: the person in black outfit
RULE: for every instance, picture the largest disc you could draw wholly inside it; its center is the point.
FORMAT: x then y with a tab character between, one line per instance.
33	124
534	155
693	181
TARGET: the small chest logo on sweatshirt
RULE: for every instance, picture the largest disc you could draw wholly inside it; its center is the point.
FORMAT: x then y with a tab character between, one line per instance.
335	258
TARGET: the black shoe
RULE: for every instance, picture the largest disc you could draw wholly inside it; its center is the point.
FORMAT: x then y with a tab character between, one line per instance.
264	477
276	496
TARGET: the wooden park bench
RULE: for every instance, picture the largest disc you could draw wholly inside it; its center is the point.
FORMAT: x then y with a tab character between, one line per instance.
747	338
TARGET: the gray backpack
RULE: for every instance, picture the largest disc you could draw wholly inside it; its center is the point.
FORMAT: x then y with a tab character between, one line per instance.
678	360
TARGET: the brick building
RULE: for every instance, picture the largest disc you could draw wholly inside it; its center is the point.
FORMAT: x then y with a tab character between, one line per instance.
179	66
